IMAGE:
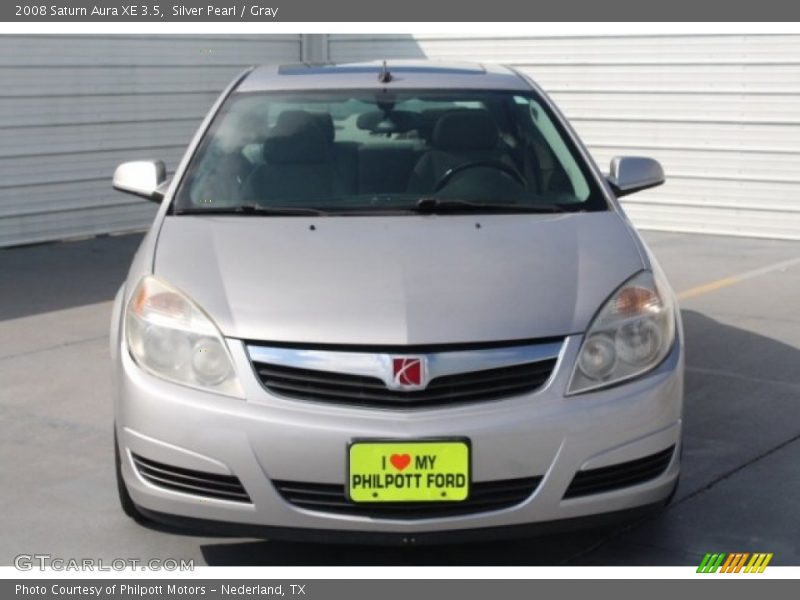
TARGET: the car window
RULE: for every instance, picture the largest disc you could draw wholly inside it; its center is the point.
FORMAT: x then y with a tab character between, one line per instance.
378	152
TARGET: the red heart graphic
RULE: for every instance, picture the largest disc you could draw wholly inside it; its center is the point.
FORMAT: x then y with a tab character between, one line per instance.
400	461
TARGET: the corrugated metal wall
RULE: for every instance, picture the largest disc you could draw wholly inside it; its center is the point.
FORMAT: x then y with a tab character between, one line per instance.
721	112
72	107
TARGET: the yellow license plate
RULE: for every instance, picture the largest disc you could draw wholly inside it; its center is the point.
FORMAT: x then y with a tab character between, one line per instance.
408	471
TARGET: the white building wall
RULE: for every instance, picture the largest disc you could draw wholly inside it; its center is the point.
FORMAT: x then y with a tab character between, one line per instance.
721	112
72	107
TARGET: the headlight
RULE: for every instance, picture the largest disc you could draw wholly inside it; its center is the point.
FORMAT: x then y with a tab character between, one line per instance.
631	334
170	336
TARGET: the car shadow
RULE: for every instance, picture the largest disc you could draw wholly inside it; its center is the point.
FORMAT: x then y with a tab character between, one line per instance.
55	276
543	550
740	396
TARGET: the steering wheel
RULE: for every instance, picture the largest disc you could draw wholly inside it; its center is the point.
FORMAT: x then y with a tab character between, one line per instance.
491	164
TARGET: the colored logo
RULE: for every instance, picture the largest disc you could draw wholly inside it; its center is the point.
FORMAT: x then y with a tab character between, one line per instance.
736	562
408	372
400	461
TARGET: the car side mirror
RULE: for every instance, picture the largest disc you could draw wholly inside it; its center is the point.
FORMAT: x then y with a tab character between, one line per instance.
143	178
630	174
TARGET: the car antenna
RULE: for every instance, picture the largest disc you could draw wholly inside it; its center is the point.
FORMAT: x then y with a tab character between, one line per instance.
384	76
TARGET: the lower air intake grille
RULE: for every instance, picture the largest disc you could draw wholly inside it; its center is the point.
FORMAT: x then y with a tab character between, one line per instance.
606	479
210	485
484	497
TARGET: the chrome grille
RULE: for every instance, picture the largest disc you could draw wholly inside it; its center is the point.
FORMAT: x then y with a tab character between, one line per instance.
491	384
364	379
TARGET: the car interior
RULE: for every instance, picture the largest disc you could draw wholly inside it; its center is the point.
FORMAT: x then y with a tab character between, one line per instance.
474	152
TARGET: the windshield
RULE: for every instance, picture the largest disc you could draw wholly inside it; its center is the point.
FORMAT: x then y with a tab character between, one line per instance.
377	152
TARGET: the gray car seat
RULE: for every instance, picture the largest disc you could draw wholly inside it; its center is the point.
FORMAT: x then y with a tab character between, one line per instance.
298	161
344	155
459	137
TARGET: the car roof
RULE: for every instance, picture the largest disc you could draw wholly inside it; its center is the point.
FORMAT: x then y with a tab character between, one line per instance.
365	75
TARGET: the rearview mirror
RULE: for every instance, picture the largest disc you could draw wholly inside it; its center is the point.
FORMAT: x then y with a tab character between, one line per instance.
630	174
143	178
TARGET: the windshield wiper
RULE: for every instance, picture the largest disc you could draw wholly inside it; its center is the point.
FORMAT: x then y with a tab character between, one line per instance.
431	205
253	209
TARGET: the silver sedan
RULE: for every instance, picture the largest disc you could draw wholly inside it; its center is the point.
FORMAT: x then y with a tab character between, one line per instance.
395	304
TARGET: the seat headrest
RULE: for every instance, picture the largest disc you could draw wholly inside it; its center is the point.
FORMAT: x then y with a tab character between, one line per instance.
468	129
323	120
297	138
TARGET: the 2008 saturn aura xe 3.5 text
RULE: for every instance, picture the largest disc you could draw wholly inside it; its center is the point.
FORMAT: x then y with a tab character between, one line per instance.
394	304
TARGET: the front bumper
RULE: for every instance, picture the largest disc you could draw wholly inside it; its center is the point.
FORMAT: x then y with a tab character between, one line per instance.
268	438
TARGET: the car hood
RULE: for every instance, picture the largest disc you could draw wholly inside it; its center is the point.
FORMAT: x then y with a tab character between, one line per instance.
398	280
